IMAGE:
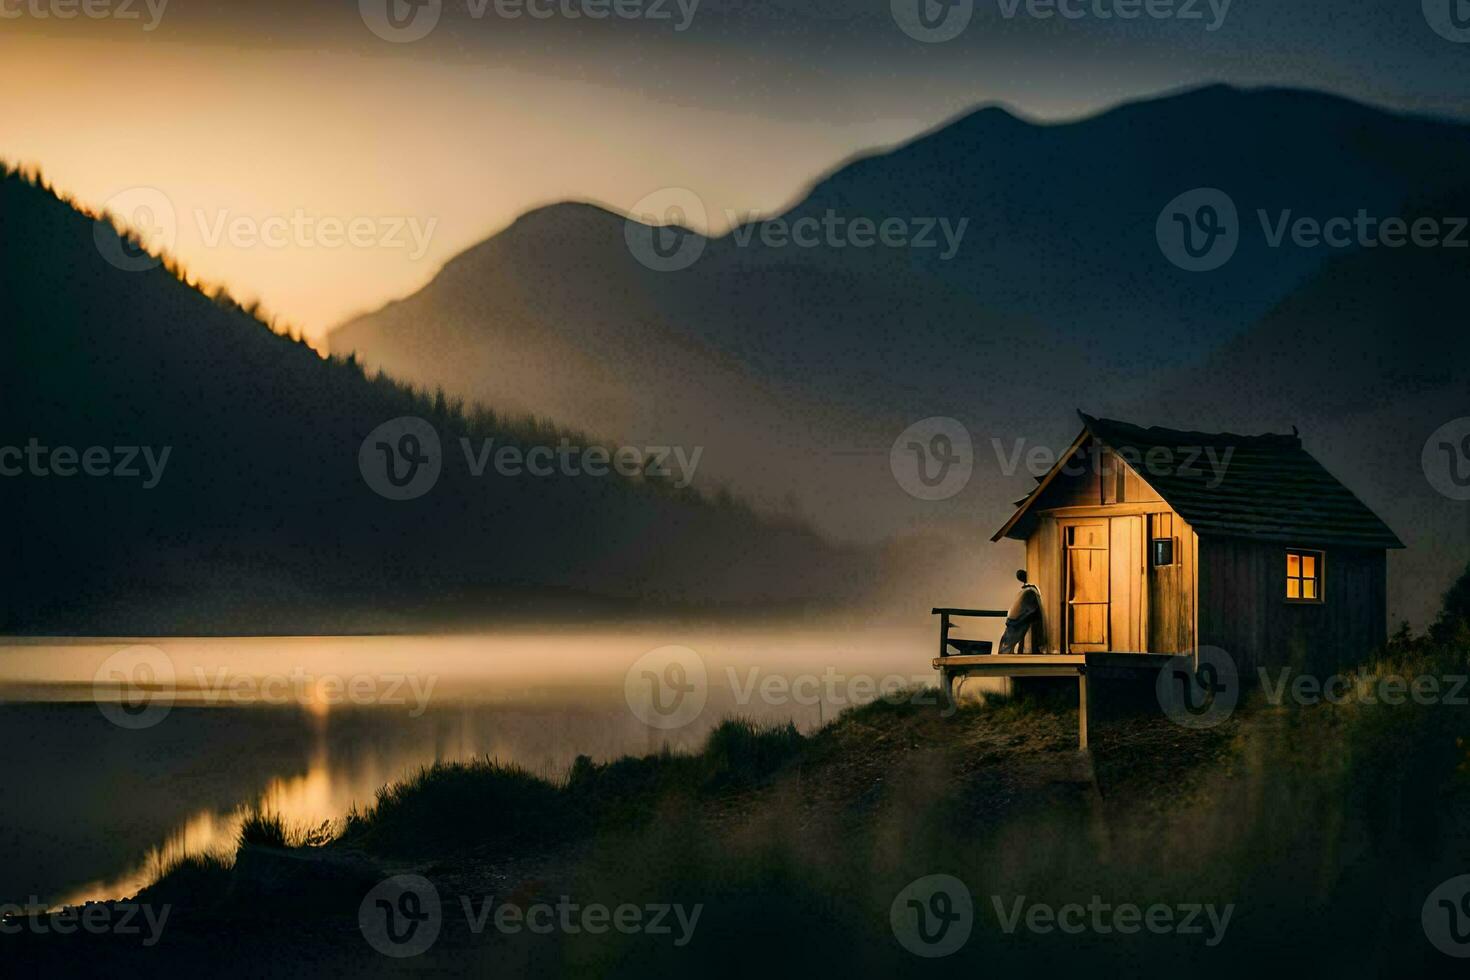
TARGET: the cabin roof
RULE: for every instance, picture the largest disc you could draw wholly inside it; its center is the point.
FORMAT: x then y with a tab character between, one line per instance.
1272	488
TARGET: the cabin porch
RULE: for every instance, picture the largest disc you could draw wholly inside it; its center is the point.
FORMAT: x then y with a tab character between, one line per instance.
973	658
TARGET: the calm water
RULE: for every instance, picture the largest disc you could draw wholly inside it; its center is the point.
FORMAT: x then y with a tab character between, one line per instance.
113	768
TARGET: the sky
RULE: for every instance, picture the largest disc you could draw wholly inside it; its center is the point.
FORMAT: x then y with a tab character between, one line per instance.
327	157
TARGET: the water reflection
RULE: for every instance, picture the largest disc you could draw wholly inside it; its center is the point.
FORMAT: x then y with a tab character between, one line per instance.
104	808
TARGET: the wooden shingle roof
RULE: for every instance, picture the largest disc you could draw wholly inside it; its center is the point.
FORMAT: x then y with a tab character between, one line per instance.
1271	489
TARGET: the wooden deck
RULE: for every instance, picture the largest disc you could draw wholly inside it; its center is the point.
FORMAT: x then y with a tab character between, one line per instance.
1051	664
1083	666
975	659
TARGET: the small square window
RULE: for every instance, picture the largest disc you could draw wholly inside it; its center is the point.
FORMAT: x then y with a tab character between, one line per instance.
1163	552
1304	576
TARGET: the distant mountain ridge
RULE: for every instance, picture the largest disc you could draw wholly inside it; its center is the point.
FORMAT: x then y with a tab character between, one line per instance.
262	520
1059	268
797	367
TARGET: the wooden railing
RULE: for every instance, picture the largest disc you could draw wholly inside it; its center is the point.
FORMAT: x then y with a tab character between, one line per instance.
964	646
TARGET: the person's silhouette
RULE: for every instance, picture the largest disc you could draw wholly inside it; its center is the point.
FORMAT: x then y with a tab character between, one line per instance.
1024	617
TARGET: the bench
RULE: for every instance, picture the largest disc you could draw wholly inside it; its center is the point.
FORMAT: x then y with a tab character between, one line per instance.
965	648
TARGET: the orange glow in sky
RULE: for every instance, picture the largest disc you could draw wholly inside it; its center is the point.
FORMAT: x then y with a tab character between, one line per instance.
325	184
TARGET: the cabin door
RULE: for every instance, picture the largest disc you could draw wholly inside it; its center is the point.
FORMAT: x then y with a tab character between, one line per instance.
1104	586
1086	573
1127	586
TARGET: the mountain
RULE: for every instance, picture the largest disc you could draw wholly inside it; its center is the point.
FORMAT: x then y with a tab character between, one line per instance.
261	517
796	367
1367	357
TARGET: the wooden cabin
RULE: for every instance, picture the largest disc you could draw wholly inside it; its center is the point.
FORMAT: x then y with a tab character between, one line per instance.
1146	542
1161	541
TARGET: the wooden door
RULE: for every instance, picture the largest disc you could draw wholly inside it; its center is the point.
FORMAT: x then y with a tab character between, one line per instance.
1086	569
1127	588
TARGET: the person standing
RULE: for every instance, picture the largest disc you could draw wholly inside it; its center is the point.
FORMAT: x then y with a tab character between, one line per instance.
1024	617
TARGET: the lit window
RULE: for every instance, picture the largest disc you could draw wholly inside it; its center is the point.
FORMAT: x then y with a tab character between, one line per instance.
1304	576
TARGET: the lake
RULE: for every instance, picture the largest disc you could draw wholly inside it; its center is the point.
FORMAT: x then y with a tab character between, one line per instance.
123	755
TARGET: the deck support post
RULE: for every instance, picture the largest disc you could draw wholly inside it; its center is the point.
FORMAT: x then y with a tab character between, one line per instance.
1082	709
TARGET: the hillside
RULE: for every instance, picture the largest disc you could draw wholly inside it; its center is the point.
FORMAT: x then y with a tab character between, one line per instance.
261	519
